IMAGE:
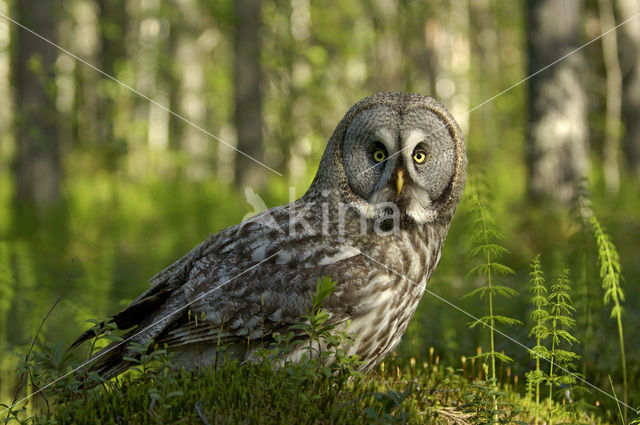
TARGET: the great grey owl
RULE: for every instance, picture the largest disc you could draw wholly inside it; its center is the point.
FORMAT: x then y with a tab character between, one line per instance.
374	219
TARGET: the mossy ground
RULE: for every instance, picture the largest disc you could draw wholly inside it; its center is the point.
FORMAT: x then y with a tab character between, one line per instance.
409	393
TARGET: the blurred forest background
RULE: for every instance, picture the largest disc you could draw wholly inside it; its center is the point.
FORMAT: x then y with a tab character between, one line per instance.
101	187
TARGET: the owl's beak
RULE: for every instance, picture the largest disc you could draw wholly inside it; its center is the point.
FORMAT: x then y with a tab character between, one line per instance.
399	174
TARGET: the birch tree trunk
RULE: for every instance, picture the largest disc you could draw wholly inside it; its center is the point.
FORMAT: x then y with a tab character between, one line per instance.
557	133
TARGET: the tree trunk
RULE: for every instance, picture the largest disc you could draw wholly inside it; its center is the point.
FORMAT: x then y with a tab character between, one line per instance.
188	90
557	133
37	161
6	113
629	40
611	144
113	24
248	96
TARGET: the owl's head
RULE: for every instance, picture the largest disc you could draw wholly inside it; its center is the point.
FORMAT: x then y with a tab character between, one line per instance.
404	149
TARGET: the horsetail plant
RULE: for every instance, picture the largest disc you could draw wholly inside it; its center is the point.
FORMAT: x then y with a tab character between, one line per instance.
486	238
539	318
558	324
583	268
610	271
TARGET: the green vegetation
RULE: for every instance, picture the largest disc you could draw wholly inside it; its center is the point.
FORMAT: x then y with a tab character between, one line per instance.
610	274
558	324
486	237
323	387
295	393
539	318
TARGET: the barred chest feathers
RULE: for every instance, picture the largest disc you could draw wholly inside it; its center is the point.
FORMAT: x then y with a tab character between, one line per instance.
394	292
400	268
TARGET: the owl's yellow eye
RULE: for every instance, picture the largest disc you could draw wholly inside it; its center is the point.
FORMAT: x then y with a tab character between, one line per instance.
379	155
419	156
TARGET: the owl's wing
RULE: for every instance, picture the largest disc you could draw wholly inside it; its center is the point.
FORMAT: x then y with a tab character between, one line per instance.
243	283
270	297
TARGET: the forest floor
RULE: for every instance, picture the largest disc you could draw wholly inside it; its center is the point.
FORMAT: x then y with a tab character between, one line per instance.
324	387
411	392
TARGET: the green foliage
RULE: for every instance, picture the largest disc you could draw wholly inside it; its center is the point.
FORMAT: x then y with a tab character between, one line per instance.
104	334
560	321
610	271
322	388
551	322
609	268
326	353
583	266
615	396
489	405
486	239
259	393
539	318
390	409
315	325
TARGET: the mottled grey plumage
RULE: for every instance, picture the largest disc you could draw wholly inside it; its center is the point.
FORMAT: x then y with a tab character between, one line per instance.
340	228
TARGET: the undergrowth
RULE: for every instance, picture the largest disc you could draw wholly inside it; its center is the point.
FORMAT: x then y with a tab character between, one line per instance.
325	387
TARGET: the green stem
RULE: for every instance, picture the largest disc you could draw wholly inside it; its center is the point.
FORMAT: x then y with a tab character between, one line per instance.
491	321
537	380
624	366
553	349
587	333
29	404
614	292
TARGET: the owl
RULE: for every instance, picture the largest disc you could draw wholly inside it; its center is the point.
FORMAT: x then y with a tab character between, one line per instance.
374	219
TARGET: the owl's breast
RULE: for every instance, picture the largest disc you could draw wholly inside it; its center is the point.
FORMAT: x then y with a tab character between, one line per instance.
401	268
